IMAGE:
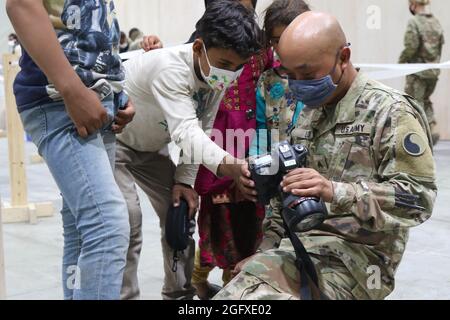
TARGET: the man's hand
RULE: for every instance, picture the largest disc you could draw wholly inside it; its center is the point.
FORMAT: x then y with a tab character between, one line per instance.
308	183
152	42
187	193
85	109
124	117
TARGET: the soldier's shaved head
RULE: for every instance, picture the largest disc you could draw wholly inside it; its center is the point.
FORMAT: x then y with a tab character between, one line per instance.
314	46
310	38
312	33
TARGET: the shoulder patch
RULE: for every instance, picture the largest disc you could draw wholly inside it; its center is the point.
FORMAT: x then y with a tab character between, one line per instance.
412	152
414	144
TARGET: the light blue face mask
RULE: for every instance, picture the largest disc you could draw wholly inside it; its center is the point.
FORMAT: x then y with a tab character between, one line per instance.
314	93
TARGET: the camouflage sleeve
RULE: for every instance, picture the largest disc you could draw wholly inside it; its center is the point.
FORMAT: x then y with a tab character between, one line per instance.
405	167
273	227
412	43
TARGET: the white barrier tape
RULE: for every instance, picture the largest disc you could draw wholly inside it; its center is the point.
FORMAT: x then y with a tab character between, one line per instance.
392	74
387	71
392	66
391	71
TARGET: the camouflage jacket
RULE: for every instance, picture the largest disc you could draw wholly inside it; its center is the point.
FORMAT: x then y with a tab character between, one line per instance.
375	146
424	40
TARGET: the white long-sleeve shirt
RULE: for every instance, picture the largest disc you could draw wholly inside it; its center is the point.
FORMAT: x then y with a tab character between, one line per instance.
172	105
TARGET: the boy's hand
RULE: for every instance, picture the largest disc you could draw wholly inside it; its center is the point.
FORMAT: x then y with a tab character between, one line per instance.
85	109
124	117
238	170
151	43
245	184
187	193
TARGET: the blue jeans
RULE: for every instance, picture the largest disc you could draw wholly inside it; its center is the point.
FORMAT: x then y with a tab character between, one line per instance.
95	216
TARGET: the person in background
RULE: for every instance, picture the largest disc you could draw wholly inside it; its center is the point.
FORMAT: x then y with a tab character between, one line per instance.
124	42
14	45
229	226
135	34
138	40
424	39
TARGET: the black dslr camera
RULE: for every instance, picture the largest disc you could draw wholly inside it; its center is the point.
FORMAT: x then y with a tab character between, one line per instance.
300	214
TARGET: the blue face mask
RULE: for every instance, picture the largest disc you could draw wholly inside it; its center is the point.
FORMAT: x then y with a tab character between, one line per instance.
314	93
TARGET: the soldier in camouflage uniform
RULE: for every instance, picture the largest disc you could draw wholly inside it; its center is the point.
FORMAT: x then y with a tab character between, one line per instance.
370	160
424	40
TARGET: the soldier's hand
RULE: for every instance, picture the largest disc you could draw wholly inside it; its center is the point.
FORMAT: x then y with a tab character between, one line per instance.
305	182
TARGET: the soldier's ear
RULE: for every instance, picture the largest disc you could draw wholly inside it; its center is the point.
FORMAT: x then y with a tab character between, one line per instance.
346	54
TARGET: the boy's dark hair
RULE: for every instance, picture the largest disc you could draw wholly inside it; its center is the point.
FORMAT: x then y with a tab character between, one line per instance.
208	2
227	24
282	13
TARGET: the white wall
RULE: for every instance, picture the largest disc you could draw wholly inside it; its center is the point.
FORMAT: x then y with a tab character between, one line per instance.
174	21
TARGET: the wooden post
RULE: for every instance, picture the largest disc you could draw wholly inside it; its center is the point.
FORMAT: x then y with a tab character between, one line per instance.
2	261
19	210
15	133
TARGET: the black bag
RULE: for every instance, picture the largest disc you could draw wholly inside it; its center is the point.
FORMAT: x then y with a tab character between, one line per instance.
178	229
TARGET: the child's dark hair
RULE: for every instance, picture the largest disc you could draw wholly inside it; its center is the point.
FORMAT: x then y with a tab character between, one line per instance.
282	13
227	24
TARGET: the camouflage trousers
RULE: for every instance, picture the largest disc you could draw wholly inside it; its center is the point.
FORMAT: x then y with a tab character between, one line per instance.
422	89
272	275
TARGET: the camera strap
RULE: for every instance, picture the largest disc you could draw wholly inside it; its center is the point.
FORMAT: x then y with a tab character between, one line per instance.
308	273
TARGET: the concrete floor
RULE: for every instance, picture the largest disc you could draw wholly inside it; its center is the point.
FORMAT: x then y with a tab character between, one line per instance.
33	252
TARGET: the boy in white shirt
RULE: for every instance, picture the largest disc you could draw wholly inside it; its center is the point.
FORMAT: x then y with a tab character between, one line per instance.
176	93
